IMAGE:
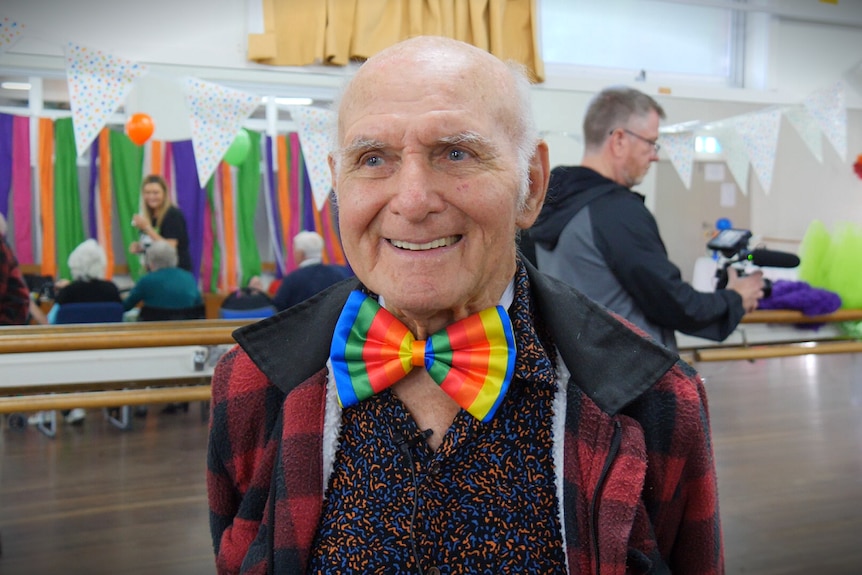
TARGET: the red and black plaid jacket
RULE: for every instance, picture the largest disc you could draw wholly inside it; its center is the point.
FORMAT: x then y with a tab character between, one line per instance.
14	295
639	486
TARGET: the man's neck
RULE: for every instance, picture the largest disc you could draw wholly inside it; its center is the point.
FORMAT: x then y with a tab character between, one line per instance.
598	164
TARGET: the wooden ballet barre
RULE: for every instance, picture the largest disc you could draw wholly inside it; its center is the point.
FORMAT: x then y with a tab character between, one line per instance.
105	336
794	316
95	399
775	350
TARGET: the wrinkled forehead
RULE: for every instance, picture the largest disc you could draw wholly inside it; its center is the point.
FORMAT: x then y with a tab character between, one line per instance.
406	82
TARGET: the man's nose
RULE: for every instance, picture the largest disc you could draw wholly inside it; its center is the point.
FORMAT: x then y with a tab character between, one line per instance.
418	188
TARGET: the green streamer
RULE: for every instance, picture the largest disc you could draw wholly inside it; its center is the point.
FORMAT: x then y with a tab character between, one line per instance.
67	200
127	164
216	250
248	193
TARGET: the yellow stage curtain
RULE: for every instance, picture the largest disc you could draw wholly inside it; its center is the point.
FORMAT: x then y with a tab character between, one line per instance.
300	32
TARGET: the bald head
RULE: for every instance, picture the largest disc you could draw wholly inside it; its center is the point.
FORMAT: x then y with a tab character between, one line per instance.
454	67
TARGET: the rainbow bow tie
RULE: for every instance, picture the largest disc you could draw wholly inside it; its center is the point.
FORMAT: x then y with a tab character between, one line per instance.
472	360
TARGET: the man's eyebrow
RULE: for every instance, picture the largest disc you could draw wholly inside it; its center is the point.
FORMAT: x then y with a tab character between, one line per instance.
362	145
466	138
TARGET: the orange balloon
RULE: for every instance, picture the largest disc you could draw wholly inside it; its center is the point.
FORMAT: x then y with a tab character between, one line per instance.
139	128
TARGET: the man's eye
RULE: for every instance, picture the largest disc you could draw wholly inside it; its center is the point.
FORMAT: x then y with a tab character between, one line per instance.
457	155
372	161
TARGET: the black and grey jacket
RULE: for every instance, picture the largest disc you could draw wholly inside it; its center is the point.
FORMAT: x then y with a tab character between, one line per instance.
599	237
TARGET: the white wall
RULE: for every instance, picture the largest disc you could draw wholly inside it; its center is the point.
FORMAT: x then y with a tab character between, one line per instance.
788	59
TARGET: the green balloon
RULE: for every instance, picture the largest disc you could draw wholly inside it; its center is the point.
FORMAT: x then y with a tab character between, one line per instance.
238	150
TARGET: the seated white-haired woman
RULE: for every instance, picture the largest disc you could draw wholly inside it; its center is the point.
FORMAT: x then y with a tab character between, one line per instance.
87	265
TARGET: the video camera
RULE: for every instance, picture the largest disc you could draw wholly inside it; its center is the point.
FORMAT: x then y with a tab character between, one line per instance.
733	246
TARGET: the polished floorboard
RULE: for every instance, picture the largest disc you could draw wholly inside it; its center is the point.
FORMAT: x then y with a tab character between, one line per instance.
787	435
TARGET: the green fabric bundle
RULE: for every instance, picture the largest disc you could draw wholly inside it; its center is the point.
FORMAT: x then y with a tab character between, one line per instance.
834	262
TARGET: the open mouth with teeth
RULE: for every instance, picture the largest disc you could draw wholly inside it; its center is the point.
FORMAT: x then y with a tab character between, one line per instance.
438	243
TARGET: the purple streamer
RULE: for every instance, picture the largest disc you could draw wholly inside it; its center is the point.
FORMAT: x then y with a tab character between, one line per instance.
5	162
275	221
308	201
191	198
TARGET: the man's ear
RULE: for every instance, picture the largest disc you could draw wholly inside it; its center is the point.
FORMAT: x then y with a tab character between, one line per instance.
540	173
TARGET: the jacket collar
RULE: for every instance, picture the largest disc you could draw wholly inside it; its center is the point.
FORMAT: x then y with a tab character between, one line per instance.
609	362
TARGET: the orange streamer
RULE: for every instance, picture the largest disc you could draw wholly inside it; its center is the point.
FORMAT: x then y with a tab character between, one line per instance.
283	203
156	157
105	201
46	197
229	214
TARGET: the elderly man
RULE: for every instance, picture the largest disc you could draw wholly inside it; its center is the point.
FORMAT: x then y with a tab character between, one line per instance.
596	234
311	276
452	409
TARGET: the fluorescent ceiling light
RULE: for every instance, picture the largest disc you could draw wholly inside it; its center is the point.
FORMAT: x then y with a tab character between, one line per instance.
294	101
15	85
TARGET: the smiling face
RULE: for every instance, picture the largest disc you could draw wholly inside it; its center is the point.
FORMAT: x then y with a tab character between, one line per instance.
154	196
427	181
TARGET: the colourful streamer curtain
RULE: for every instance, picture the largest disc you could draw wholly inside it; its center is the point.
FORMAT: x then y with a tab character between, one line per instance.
291	205
127	162
337	32
248	193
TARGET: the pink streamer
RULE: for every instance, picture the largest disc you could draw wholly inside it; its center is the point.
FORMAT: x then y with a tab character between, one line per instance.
207	251
22	198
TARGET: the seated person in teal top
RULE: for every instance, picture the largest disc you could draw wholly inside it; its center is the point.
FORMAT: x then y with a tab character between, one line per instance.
166	285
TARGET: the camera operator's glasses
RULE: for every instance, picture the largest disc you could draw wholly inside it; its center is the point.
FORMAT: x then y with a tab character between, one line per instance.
654	143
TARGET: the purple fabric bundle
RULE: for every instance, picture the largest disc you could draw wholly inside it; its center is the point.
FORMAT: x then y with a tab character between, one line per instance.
801	296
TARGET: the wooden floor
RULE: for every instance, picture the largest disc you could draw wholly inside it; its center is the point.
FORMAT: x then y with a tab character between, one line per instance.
788	442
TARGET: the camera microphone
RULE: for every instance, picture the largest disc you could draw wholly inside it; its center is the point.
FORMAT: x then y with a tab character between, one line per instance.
771	259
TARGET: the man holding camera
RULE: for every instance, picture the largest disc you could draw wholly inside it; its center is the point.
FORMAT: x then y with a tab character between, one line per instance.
596	234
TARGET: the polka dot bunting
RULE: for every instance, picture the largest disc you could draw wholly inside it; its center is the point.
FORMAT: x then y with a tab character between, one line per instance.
759	134
10	31
315	128
216	115
679	147
807	128
98	83
828	107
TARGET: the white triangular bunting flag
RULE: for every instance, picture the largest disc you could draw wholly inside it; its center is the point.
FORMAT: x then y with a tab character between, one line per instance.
734	154
315	132
828	107
10	31
807	129
217	115
679	147
759	134
98	84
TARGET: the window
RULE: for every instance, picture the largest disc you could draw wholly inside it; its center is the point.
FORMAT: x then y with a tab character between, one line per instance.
707	145
663	38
